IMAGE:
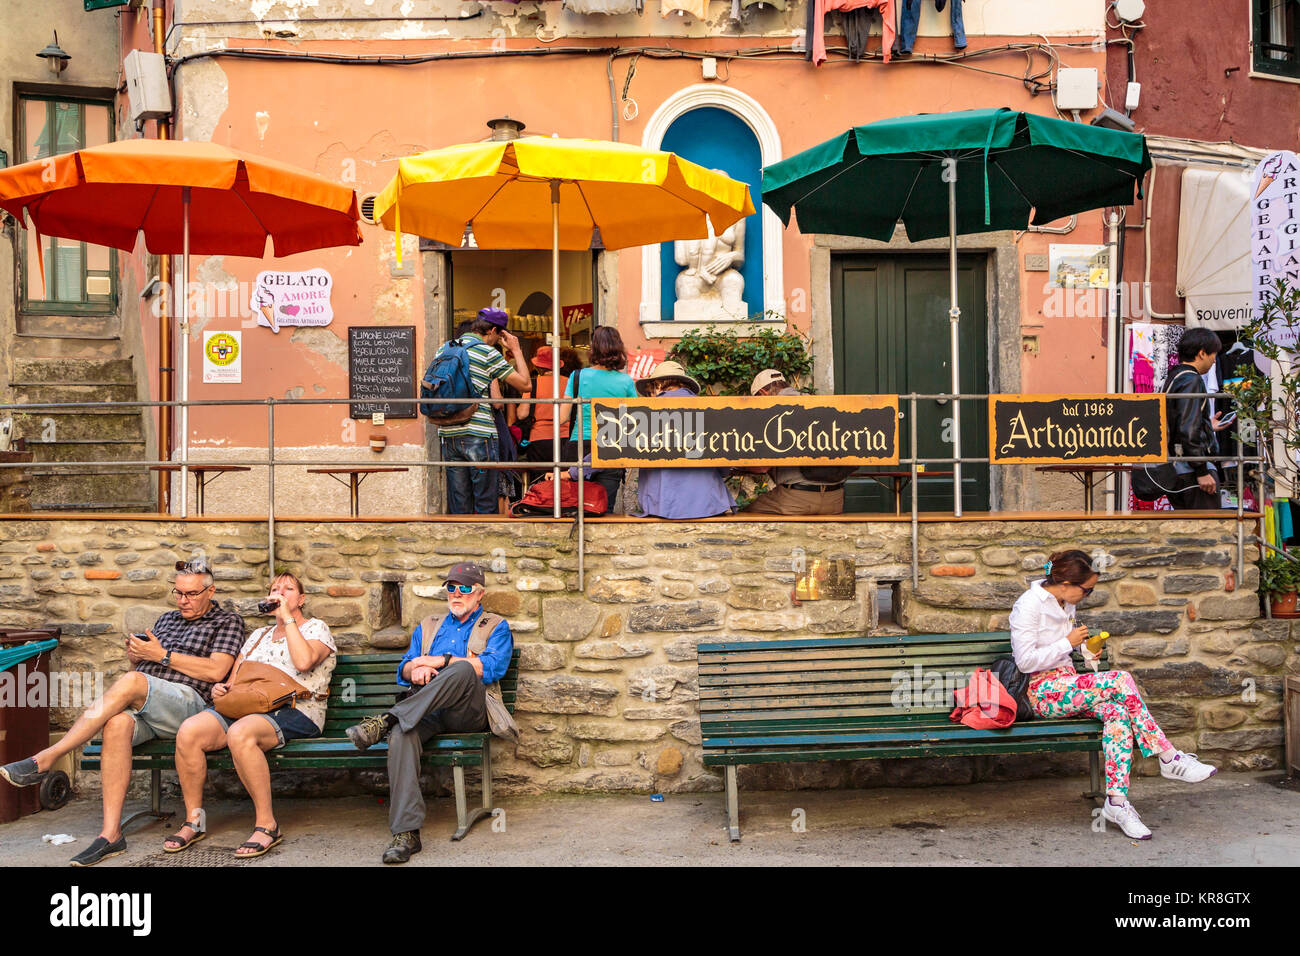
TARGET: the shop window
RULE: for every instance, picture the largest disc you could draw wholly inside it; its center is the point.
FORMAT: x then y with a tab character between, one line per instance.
79	276
1276	45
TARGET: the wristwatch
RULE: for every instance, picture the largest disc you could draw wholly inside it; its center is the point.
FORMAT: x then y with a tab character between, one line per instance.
167	659
446	659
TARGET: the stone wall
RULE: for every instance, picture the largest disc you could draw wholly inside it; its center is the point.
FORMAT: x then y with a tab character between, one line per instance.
608	688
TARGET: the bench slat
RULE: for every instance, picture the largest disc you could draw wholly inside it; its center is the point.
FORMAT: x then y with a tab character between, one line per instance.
714	758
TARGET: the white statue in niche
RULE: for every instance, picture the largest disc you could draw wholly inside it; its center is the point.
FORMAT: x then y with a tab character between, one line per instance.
710	286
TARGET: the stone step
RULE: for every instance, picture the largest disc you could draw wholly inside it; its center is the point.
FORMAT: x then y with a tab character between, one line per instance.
37	347
59	393
86	449
74	424
73	371
79	327
108	489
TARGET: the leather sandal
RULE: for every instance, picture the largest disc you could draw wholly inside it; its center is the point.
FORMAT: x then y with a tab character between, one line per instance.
276	840
182	842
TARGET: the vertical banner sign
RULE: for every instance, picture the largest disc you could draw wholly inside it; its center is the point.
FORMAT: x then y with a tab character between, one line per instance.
1275	232
292	298
223	358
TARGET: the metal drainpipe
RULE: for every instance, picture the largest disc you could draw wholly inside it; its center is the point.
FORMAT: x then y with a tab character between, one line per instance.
166	383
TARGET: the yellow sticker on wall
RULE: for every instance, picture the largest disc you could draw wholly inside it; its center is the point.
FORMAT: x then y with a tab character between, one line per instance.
222	357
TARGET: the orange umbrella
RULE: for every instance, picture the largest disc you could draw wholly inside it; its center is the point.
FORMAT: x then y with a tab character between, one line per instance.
184	197
109	194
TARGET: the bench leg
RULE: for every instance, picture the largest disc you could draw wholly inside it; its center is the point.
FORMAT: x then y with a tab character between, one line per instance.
467	818
155	802
1094	776
733	805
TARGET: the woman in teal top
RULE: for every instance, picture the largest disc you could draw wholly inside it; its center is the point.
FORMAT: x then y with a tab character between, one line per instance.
604	379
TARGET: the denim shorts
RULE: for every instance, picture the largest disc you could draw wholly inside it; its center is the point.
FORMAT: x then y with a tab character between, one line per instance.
167	706
289	724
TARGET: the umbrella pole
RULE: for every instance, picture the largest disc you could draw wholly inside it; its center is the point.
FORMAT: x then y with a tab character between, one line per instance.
555	346
954	315
184	344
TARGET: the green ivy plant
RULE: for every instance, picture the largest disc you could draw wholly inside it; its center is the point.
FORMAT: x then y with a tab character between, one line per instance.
725	363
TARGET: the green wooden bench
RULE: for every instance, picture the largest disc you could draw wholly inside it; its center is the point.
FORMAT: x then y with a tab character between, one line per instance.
362	684
848	698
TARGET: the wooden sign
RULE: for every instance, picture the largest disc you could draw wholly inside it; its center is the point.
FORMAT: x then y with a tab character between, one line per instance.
721	431
1076	429
381	365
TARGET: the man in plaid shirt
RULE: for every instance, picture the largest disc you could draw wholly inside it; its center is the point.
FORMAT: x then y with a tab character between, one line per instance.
175	665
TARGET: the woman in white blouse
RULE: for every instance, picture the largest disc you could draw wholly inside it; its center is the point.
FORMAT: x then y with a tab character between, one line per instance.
302	648
1044	633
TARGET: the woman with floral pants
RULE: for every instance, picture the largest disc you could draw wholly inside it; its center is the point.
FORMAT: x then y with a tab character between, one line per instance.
1043	635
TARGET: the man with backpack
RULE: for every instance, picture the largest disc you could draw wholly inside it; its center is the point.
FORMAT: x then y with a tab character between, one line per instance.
796	490
453	668
465	367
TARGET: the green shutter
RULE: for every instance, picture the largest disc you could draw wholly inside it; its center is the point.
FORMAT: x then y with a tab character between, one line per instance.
104	4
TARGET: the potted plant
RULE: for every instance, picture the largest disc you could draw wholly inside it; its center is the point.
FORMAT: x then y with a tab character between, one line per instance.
1279	576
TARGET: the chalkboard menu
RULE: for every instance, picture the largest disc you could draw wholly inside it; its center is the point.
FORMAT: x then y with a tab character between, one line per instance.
1076	429
381	365
722	431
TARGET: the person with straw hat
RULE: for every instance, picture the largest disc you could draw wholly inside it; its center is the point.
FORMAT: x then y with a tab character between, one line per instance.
679	493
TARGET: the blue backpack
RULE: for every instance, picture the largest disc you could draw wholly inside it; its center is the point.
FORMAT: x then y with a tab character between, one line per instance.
448	377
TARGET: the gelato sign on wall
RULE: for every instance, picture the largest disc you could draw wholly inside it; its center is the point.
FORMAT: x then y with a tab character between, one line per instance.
1275	230
292	298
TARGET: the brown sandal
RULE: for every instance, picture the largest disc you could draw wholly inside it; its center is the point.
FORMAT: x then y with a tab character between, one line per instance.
184	844
276	840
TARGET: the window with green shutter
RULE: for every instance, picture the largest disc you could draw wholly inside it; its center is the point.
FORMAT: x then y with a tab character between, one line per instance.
1276	46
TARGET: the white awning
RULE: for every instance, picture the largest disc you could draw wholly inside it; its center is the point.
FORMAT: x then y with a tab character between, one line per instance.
1214	272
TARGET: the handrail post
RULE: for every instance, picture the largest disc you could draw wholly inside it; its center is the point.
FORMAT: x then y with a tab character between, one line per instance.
270	489
582	502
911	426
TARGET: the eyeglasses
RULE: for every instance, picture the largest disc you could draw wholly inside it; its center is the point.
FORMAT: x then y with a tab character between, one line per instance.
197	566
462	588
191	595
1086	591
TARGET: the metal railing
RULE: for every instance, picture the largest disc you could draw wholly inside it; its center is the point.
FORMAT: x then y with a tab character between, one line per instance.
271	461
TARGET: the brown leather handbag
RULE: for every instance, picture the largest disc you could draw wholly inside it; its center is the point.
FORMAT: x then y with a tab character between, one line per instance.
260	688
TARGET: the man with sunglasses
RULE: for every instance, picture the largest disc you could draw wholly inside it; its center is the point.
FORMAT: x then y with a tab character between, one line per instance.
175	664
455	666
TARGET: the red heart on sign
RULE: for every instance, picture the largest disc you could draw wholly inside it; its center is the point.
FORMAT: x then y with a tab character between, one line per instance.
289	309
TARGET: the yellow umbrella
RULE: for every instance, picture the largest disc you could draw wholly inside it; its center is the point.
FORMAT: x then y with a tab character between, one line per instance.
542	192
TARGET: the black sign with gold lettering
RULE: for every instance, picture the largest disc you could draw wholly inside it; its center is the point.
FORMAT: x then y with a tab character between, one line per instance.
1076	429
721	431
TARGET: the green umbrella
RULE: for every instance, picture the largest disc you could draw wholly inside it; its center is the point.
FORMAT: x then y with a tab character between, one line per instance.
955	173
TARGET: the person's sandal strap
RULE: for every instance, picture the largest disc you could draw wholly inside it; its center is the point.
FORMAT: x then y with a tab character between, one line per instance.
250	845
183	842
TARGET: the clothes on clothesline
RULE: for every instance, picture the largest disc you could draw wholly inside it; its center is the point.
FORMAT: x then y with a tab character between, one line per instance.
910	18
611	8
696	8
817	10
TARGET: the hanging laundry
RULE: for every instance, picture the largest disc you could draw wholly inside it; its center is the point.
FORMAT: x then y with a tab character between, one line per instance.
817	10
696	8
613	8
1282	514
778	4
910	18
856	25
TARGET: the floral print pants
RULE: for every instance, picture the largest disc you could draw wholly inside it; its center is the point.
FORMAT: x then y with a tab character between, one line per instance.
1110	696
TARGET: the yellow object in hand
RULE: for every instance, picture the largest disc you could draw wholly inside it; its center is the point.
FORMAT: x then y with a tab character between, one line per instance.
1094	643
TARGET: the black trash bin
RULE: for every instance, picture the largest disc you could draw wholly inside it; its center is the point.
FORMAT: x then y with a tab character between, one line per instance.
26	729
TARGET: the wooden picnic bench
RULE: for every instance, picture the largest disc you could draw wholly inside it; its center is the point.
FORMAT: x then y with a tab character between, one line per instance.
362	684
859	698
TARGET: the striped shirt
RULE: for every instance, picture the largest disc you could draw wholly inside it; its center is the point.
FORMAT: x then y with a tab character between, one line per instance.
485	365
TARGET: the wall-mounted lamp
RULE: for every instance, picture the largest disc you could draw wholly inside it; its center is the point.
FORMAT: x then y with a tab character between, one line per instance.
55	56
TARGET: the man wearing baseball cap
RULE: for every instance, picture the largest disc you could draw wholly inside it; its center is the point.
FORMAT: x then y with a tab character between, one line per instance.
474	490
454	665
794	491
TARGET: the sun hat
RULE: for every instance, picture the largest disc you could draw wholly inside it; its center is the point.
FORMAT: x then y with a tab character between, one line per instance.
763	379
667	370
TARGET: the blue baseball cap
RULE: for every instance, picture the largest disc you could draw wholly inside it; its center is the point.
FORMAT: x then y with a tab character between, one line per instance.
496	316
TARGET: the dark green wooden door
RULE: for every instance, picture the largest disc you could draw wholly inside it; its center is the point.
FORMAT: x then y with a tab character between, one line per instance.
891	336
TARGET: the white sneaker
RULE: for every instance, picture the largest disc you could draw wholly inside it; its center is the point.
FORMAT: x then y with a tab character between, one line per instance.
1187	768
1126	818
